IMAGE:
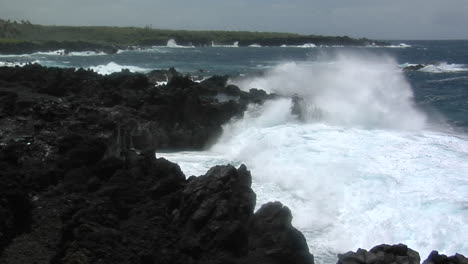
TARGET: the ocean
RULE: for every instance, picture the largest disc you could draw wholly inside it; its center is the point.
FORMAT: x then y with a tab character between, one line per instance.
378	155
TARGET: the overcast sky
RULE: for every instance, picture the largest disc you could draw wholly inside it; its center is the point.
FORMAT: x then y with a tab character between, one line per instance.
378	19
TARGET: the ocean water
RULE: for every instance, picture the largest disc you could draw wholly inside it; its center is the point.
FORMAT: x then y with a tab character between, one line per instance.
379	155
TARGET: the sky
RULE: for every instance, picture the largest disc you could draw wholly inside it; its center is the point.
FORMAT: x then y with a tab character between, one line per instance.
376	19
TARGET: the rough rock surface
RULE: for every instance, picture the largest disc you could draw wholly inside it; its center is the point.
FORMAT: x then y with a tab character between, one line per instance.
396	254
382	254
436	258
80	183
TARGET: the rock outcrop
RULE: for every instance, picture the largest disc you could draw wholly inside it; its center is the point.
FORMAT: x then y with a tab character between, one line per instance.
396	254
80	182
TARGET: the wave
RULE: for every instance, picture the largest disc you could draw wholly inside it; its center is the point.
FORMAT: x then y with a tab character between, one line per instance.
444	67
60	52
11	64
367	171
173	44
20	64
350	188
350	90
255	46
398	46
234	45
306	45
86	53
112	67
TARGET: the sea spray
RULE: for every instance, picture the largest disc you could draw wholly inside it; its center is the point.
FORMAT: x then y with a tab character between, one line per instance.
350	90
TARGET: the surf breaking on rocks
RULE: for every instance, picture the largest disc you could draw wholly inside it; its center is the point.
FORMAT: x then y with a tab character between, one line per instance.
363	166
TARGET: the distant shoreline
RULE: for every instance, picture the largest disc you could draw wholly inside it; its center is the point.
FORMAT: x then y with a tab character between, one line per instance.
24	37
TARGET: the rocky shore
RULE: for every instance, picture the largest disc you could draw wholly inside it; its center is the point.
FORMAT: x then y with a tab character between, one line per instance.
79	181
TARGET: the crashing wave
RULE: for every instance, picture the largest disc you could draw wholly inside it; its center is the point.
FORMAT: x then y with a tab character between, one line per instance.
173	44
353	91
112	67
234	45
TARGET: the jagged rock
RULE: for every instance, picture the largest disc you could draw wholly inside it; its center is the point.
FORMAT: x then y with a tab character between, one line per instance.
382	254
273	239
436	258
214	212
414	67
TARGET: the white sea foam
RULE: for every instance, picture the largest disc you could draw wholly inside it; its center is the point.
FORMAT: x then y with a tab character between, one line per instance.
398	46
351	188
234	45
350	90
20	64
11	64
306	45
173	44
255	46
60	52
86	53
444	67
349	185
112	67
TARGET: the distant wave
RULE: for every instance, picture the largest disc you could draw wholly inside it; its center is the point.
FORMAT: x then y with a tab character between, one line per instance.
306	45
255	46
173	44
86	53
444	67
60	52
398	46
20	64
112	67
234	45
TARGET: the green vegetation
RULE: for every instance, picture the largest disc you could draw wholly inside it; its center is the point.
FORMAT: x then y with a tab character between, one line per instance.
24	31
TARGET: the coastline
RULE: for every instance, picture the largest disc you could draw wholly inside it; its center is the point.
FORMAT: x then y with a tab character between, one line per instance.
81	182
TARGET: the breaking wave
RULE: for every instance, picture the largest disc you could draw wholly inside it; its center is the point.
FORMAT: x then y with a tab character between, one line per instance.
112	67
444	67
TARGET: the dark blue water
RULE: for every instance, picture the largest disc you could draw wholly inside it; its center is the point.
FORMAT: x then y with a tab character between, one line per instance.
440	89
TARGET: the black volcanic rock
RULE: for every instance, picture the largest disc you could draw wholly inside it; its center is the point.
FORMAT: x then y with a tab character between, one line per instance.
416	67
382	254
180	115
436	258
272	238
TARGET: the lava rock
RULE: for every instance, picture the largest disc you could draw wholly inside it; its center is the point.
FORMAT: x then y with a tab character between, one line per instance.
382	254
436	258
273	239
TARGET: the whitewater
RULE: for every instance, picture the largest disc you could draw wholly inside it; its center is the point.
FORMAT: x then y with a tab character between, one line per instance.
357	162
